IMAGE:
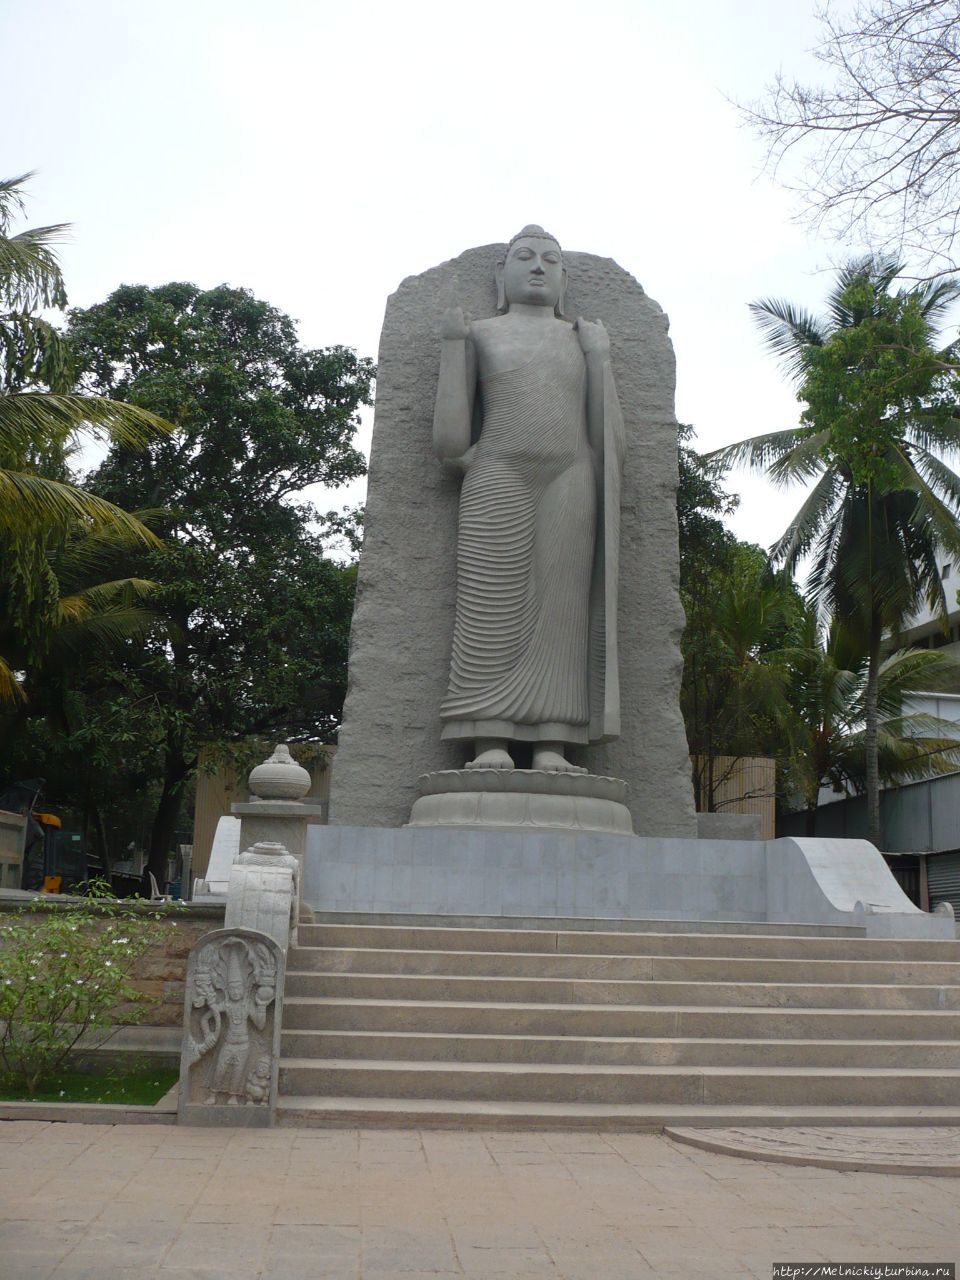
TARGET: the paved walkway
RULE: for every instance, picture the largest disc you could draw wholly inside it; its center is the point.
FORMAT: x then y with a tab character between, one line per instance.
90	1202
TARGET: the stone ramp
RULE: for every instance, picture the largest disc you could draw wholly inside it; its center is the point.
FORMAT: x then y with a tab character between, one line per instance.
924	1152
448	1023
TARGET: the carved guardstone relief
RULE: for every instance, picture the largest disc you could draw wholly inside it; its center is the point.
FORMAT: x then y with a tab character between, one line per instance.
231	1035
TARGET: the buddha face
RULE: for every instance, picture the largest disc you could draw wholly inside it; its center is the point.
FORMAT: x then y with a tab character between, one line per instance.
533	272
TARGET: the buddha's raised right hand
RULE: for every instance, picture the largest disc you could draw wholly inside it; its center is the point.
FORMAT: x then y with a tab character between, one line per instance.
453	325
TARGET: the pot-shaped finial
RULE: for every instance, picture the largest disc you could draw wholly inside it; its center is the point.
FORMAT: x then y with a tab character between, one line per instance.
280	777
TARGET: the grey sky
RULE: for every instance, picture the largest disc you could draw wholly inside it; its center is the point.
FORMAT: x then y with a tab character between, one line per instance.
317	153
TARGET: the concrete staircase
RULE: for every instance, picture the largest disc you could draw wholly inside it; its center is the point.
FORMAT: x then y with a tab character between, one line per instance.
601	1024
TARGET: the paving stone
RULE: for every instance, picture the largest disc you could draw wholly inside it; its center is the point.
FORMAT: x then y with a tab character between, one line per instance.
576	1206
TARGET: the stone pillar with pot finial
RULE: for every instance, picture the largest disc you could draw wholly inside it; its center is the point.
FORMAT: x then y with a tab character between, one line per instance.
276	812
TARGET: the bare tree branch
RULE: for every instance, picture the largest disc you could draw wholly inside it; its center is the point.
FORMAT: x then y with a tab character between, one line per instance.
879	145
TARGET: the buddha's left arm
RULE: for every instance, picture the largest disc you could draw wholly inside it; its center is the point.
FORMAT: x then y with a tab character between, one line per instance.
604	419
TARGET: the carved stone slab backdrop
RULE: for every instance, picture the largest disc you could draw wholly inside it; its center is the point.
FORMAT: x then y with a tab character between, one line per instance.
403	618
231	1030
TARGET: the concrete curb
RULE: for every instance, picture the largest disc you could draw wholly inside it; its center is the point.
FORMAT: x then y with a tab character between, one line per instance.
91	1112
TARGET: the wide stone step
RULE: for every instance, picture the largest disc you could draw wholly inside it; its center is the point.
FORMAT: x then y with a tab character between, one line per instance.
612	1050
801	995
549	1019
580	924
520	964
847	946
437	1113
694	1086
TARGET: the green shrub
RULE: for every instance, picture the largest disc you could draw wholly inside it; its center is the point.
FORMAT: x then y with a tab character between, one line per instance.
65	975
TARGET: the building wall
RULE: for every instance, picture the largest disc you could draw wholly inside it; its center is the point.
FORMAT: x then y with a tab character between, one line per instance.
12	827
921	817
748	784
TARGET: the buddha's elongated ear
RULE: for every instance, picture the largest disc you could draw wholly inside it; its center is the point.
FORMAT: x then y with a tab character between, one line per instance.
558	309
501	288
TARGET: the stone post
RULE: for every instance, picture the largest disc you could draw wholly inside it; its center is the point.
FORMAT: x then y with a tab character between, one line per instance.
276	812
263	893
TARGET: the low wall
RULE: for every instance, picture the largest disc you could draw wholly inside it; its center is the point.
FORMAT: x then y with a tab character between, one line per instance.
161	971
441	871
11	849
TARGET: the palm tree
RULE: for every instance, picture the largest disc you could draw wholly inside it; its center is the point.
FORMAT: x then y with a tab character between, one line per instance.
40	419
881	409
739	616
827	693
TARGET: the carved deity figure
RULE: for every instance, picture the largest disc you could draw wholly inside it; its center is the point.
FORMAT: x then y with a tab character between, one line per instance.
534	647
235	983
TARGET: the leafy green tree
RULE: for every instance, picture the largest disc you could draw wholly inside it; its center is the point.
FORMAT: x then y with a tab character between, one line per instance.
255	611
702	506
740	616
880	409
828	680
39	419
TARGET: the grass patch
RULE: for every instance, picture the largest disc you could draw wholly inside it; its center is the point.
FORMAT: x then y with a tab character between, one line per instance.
142	1086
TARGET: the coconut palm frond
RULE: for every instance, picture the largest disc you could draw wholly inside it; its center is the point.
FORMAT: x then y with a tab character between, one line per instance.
31	501
878	272
929	511
930	432
93	557
12	198
906	671
788	332
103	596
106	628
30	273
807	524
759	452
936	297
49	416
804	462
31	350
823	581
915	745
943	480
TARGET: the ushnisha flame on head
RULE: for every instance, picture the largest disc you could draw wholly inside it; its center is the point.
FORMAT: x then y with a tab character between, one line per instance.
532	232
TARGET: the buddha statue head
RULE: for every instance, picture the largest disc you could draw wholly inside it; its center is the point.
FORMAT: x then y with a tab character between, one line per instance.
532	271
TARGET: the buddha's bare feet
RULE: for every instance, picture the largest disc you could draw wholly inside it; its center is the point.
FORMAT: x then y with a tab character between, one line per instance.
550	758
490	755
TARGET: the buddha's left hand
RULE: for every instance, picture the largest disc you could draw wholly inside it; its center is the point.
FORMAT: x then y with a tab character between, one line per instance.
594	338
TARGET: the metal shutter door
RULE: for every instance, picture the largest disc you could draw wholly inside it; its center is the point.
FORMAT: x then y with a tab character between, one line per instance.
943	879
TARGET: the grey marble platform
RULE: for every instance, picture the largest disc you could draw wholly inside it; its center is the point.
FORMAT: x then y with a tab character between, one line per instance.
443	871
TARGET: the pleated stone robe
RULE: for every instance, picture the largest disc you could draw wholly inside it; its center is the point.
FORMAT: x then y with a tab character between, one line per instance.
534	646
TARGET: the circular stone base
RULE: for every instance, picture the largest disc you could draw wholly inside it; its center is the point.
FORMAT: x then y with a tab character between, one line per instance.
887	1149
512	798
